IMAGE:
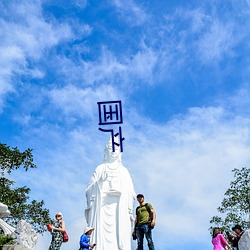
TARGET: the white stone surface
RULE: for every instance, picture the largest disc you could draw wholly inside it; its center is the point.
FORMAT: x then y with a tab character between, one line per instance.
14	247
7	229
244	242
110	197
4	212
25	235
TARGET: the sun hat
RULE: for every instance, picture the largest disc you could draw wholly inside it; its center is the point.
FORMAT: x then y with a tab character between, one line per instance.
59	213
87	229
237	227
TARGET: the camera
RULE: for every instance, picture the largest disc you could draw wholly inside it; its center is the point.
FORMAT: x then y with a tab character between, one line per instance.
134	235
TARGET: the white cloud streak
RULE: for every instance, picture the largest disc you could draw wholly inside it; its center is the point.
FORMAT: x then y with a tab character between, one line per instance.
139	66
131	12
216	43
81	102
24	40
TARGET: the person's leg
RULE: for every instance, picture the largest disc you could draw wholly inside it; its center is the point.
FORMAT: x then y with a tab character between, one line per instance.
140	231
57	244
148	234
51	247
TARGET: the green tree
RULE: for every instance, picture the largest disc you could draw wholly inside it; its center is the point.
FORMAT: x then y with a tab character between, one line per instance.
17	199
235	207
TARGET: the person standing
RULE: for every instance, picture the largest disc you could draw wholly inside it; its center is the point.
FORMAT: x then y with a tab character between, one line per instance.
56	231
218	240
85	239
239	231
143	225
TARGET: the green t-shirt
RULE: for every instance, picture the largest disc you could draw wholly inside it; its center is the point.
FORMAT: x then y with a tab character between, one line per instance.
142	214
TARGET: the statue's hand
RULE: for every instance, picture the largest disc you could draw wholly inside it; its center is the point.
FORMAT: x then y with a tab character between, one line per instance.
90	202
104	175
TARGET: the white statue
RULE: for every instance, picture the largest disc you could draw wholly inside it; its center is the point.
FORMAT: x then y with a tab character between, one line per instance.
25	235
4	212
244	242
110	197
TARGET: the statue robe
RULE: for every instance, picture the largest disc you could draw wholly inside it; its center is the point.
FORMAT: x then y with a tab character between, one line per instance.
110	197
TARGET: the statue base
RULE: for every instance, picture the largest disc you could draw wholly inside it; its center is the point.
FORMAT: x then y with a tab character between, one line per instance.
12	247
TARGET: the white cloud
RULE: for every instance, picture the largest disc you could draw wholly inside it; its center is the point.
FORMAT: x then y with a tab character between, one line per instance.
105	69
139	66
32	33
143	63
80	3
131	12
198	19
81	102
25	35
191	34
240	101
217	42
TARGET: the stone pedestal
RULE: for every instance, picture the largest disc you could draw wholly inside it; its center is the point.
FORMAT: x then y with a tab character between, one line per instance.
13	247
244	242
25	237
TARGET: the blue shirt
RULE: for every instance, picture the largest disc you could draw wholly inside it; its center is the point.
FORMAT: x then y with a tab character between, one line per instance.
84	242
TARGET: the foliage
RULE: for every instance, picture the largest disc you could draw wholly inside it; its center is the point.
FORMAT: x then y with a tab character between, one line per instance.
236	204
17	199
6	240
11	159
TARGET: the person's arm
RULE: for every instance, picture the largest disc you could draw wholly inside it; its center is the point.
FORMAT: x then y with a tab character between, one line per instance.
154	217
232	235
92	246
135	224
84	242
224	242
229	246
60	229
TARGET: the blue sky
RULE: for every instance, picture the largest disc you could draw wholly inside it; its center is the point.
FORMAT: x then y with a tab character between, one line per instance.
181	70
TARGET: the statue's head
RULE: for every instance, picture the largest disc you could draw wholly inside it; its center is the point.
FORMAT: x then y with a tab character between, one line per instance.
109	155
4	211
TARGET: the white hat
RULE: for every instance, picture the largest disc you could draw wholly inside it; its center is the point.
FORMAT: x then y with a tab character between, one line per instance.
59	213
87	229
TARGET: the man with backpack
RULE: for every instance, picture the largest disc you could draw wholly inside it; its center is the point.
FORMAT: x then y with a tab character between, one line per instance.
144	223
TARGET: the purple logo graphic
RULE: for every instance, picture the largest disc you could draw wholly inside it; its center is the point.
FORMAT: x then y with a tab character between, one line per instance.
111	113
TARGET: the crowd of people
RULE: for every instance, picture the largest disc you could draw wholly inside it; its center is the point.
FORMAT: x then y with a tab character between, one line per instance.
144	223
219	241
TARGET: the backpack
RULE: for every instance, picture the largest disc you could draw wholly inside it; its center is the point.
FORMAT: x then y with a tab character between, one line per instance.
149	212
